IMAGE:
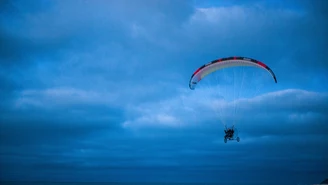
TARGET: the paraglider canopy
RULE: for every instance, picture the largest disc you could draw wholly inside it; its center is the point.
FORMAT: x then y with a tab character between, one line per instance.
215	65
225	109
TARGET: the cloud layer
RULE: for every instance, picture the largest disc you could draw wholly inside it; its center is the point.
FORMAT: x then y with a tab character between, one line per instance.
99	91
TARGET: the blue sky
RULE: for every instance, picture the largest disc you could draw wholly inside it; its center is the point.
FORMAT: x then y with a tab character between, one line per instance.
98	91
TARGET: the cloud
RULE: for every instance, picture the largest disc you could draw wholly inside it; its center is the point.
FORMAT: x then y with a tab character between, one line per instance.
299	111
99	91
57	28
65	54
58	115
277	36
156	120
64	97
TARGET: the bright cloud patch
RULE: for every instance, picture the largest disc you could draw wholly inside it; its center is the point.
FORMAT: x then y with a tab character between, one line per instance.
187	110
63	97
153	121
